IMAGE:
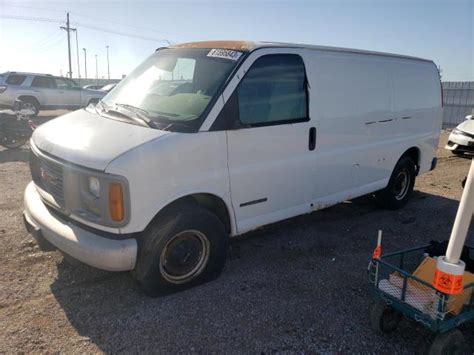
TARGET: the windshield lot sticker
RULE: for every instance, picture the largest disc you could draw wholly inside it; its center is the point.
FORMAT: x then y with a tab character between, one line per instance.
224	54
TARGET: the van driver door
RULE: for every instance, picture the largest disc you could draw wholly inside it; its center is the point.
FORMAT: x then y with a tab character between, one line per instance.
271	141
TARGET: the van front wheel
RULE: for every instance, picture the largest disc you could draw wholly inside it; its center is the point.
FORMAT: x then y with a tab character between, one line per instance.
400	186
185	248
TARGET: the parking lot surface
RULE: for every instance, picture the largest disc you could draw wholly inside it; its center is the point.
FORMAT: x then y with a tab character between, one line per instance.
295	286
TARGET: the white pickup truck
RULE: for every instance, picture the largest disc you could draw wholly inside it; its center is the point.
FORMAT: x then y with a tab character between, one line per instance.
209	140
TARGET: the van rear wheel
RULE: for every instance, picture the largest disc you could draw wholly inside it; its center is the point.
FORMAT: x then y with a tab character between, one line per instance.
185	248
400	186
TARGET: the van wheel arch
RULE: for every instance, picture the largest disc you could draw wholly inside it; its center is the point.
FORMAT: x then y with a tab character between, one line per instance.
186	244
210	202
414	154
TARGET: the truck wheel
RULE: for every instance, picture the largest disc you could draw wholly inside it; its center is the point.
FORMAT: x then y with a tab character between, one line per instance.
383	318
30	103
400	186
185	248
451	342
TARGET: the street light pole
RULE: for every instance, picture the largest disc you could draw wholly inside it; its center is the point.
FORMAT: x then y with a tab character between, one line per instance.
108	65
85	62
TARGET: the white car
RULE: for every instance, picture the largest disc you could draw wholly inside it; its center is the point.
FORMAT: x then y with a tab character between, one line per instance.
461	139
209	140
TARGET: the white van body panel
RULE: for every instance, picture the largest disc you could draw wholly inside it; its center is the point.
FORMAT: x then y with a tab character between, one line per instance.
84	138
177	165
368	110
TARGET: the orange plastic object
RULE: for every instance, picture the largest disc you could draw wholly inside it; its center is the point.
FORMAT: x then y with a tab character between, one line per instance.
448	283
116	207
377	252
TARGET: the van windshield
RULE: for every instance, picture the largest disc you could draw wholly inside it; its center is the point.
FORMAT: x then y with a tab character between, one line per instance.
174	87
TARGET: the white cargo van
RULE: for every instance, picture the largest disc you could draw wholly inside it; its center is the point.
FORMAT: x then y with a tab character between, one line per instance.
209	140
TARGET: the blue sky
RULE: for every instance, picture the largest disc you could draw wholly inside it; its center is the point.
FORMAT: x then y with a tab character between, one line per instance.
439	30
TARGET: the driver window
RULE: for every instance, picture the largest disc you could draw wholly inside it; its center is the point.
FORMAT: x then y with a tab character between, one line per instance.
273	91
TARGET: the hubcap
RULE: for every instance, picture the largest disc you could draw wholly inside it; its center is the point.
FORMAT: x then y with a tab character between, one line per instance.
185	256
402	184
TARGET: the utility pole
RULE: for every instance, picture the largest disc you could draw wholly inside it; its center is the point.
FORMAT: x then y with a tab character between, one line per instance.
85	62
68	29
96	70
108	65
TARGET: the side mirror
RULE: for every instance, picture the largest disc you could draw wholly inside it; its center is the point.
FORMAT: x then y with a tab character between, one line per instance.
470	117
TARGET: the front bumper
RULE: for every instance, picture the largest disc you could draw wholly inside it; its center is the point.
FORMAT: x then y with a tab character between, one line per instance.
459	142
87	247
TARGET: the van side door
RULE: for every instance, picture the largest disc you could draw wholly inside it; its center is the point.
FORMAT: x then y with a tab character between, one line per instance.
271	142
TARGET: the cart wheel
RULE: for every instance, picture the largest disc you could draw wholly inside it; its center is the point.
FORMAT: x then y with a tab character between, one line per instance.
451	342
384	318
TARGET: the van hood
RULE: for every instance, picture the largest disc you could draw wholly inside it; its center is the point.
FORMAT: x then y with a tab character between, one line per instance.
467	126
85	138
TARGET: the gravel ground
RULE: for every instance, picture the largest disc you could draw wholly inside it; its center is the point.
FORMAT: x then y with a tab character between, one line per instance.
295	286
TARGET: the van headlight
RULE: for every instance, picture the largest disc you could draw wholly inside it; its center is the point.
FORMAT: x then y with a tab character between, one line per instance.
94	186
101	198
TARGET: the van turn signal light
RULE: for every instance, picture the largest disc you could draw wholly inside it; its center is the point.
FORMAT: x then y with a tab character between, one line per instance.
116	207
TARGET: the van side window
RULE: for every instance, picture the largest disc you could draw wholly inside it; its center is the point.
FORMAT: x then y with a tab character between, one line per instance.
273	91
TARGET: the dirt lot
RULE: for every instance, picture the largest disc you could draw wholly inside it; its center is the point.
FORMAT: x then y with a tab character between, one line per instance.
296	286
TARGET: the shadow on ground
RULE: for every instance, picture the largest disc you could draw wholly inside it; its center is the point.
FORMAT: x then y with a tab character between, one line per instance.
298	285
14	155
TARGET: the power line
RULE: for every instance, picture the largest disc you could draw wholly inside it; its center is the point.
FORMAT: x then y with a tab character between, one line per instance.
88	16
30	7
91	27
26	18
119	33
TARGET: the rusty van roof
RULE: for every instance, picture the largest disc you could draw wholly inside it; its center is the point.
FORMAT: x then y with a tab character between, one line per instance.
244	46
248	46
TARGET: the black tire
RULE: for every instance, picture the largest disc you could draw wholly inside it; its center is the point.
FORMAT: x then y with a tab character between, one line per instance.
161	266
449	343
13	139
383	318
31	103
400	186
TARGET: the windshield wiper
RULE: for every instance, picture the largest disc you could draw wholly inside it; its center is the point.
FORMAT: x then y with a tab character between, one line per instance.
138	114
133	108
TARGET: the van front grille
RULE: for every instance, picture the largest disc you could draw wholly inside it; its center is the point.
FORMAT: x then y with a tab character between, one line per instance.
48	175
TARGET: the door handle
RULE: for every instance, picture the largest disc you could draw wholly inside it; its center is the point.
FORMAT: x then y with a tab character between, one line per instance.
312	138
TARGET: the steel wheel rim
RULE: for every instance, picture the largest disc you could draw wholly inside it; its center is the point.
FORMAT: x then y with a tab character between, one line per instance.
402	184
184	256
